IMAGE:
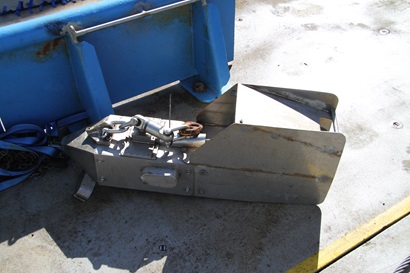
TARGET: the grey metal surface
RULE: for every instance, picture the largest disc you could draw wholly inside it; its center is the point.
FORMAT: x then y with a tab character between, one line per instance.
255	163
220	112
264	109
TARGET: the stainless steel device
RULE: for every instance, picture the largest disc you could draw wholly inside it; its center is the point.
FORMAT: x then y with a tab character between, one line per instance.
253	143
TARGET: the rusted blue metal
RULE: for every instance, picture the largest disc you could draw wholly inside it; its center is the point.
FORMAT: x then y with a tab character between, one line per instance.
45	75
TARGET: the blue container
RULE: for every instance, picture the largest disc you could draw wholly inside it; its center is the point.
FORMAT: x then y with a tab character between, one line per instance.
47	74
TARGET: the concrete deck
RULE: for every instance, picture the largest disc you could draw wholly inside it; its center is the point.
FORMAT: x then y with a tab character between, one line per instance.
356	50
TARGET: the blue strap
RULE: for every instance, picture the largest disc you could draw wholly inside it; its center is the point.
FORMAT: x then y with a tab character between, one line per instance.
25	135
52	127
15	177
10	146
14	181
32	139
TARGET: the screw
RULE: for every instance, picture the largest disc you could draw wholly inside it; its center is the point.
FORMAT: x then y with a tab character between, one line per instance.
202	172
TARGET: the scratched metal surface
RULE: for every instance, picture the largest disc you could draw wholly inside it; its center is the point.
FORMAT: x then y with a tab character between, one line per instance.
359	51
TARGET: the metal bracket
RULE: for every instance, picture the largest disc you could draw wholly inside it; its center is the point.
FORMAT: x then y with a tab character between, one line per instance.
85	189
72	33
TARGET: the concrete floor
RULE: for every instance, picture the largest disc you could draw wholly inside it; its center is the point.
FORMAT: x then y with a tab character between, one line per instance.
356	50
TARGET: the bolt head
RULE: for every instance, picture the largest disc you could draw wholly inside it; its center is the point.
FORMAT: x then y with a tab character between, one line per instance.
199	87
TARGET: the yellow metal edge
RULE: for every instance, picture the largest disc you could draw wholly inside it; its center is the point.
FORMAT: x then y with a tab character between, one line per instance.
353	238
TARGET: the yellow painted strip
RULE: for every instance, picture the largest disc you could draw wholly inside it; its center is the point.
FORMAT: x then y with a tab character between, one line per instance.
353	238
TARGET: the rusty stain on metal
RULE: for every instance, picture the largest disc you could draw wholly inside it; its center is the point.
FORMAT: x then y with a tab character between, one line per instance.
255	170
49	47
328	150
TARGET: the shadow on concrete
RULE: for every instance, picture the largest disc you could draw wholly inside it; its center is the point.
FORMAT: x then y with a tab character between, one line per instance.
133	230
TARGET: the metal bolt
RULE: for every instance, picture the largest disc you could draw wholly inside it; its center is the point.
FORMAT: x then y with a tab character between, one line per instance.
199	87
203	172
187	189
102	179
396	124
384	31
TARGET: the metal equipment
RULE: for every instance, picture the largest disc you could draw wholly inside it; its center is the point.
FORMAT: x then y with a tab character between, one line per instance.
253	143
